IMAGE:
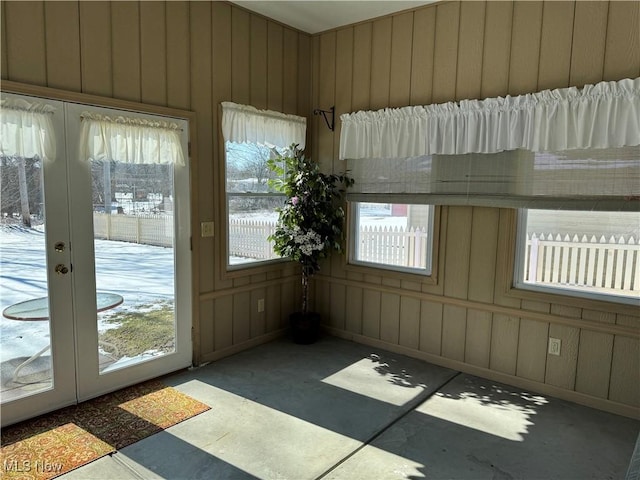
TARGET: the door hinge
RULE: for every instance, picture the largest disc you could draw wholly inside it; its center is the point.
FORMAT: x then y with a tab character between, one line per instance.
189	149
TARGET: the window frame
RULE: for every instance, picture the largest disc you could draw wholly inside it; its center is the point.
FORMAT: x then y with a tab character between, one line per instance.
519	270
437	216
258	266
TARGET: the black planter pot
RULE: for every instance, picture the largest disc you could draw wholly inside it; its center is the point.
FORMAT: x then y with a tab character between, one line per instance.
305	327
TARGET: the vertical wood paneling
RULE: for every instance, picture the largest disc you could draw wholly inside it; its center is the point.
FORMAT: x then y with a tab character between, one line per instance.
555	45
497	49
289	302
589	37
445	57
323	301
409	335
326	99
241	317
206	335
344	79
222	322
401	54
26	51
424	28
525	47
258	319
354	310
290	72
338	304
241	56
313	125
622	51
273	308
274	67
430	327
625	371
153	47
380	63
532	349
304	77
178	68
258	67
201	91
361	66
63	47
371	314
561	369
469	70
483	252
95	39
454	327
456	279
478	338
505	246
504	343
4	70
389	317
125	41
594	363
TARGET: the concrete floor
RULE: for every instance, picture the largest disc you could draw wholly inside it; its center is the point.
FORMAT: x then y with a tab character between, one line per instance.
340	410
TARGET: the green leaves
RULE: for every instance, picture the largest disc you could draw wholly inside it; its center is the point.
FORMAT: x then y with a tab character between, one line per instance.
311	224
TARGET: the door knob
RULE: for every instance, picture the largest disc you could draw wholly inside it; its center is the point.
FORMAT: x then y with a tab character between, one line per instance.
59	246
61	269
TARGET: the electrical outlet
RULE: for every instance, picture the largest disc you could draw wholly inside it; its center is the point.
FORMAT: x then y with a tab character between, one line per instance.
206	229
260	305
554	346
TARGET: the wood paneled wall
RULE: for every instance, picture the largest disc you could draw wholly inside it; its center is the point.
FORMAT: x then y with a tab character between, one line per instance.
471	320
190	56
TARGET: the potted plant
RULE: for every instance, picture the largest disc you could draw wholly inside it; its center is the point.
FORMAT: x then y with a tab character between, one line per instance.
310	224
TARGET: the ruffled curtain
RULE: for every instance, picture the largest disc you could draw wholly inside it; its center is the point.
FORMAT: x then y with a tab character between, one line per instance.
605	115
247	124
129	140
26	129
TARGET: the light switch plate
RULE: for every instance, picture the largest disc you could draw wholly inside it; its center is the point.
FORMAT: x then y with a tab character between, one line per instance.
206	229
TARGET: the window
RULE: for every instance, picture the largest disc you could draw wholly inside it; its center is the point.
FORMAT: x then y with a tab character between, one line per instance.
393	236
251	137
584	253
251	203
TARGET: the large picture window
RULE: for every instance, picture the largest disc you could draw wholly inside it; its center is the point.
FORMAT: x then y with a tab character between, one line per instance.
584	253
392	236
251	203
252	137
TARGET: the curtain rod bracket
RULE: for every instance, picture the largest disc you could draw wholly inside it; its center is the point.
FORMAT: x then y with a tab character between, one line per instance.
332	111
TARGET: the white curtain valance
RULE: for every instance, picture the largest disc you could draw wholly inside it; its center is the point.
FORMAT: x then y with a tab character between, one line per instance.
129	140
247	124
26	129
605	115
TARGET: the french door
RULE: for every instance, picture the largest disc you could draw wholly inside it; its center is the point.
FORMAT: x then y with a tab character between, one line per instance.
95	289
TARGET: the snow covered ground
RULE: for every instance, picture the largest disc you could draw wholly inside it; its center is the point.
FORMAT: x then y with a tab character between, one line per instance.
142	274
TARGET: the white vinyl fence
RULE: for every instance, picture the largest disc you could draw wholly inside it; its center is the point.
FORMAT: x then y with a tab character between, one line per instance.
146	229
601	263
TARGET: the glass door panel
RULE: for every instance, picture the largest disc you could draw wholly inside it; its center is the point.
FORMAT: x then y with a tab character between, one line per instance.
134	256
36	334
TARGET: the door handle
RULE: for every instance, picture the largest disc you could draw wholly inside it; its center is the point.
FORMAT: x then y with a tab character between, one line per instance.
59	246
61	269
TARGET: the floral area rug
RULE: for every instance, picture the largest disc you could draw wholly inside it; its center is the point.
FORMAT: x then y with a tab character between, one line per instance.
55	443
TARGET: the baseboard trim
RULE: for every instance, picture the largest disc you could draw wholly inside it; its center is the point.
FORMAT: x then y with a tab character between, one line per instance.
519	382
233	349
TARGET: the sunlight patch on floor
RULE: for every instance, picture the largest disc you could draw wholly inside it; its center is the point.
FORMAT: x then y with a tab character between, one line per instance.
493	415
375	379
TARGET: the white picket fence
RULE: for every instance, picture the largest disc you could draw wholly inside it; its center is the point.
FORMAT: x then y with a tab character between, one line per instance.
393	246
247	239
599	263
147	229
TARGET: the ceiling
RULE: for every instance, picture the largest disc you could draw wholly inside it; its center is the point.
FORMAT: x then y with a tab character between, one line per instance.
313	16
